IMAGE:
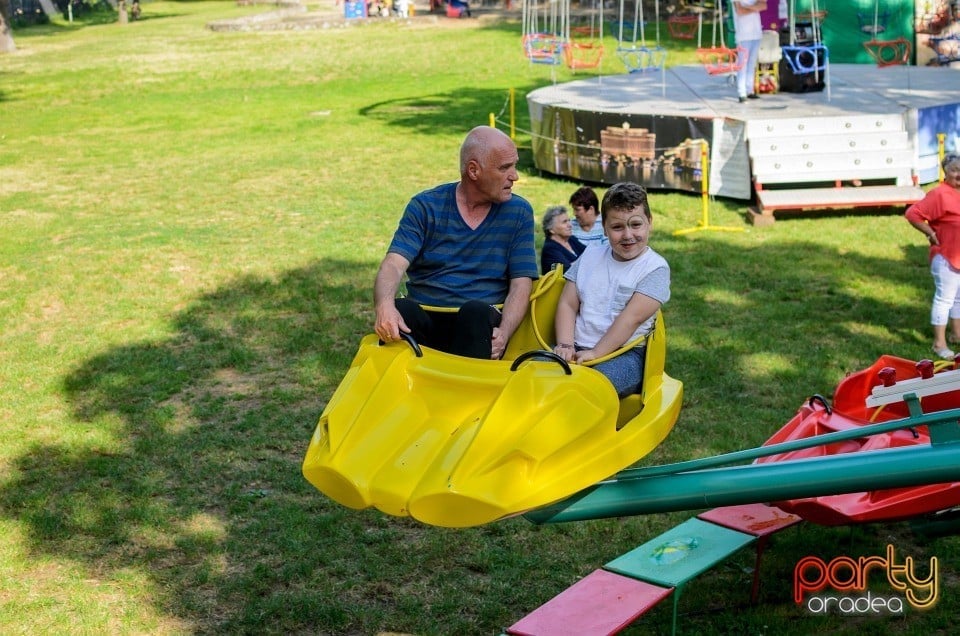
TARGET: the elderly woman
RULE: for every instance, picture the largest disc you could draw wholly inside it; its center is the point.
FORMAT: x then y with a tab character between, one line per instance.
560	245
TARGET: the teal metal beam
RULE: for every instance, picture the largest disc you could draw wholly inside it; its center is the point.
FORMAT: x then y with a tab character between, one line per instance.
943	425
759	483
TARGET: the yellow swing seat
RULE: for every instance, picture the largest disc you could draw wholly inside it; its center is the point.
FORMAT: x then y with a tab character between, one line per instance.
457	442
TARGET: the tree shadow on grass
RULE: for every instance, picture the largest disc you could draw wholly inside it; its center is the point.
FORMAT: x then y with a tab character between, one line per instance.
754	336
182	459
448	112
200	441
81	21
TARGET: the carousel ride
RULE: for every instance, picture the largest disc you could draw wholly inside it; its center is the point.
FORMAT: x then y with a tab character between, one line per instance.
457	442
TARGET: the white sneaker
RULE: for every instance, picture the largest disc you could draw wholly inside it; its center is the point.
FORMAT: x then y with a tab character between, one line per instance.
945	353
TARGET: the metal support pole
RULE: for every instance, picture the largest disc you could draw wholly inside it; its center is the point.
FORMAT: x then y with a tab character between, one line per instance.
513	114
704	223
941	150
759	483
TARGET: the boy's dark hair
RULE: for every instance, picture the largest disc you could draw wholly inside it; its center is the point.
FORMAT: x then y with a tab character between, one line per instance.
586	197
625	196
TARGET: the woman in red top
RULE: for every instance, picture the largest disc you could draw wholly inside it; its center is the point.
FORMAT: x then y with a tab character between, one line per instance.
937	215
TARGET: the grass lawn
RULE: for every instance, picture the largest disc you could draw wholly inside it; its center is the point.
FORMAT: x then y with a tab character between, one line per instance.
191	222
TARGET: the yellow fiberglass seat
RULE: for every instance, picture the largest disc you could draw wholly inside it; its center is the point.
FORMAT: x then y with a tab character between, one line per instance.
456	442
537	331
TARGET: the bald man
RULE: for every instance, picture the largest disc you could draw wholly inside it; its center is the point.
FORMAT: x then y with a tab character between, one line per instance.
466	247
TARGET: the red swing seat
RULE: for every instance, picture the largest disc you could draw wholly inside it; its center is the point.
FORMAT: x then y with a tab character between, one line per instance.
580	55
584	31
889	52
722	60
683	27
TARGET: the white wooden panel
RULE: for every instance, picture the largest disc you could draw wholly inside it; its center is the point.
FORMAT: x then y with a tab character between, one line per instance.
944	382
758	128
899	175
799	167
729	162
842	143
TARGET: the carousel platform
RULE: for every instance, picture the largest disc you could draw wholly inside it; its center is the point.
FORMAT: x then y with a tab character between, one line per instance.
862	136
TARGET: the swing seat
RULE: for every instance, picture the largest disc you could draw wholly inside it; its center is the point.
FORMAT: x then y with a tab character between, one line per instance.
543	48
806	59
810	16
873	24
722	60
889	52
683	27
639	59
580	55
585	31
947	48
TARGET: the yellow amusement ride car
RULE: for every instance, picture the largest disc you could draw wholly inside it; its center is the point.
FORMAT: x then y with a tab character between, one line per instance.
456	442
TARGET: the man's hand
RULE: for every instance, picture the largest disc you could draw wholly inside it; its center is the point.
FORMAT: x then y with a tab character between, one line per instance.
389	322
498	343
514	309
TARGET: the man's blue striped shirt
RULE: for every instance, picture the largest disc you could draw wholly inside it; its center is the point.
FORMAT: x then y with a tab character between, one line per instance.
450	263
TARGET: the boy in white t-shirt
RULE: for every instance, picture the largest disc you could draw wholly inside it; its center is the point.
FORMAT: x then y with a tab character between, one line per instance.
613	291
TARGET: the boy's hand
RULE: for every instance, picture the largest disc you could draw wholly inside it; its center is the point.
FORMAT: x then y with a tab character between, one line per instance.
585	356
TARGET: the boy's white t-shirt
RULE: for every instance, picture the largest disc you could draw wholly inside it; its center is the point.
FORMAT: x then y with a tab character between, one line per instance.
605	285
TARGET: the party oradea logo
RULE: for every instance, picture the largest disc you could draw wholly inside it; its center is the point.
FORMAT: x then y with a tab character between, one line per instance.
840	586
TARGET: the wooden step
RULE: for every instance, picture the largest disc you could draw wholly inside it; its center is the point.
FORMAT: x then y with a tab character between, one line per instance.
601	603
761	521
679	555
847	197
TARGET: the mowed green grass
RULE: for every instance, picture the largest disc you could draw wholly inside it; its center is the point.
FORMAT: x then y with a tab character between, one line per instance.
191	223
